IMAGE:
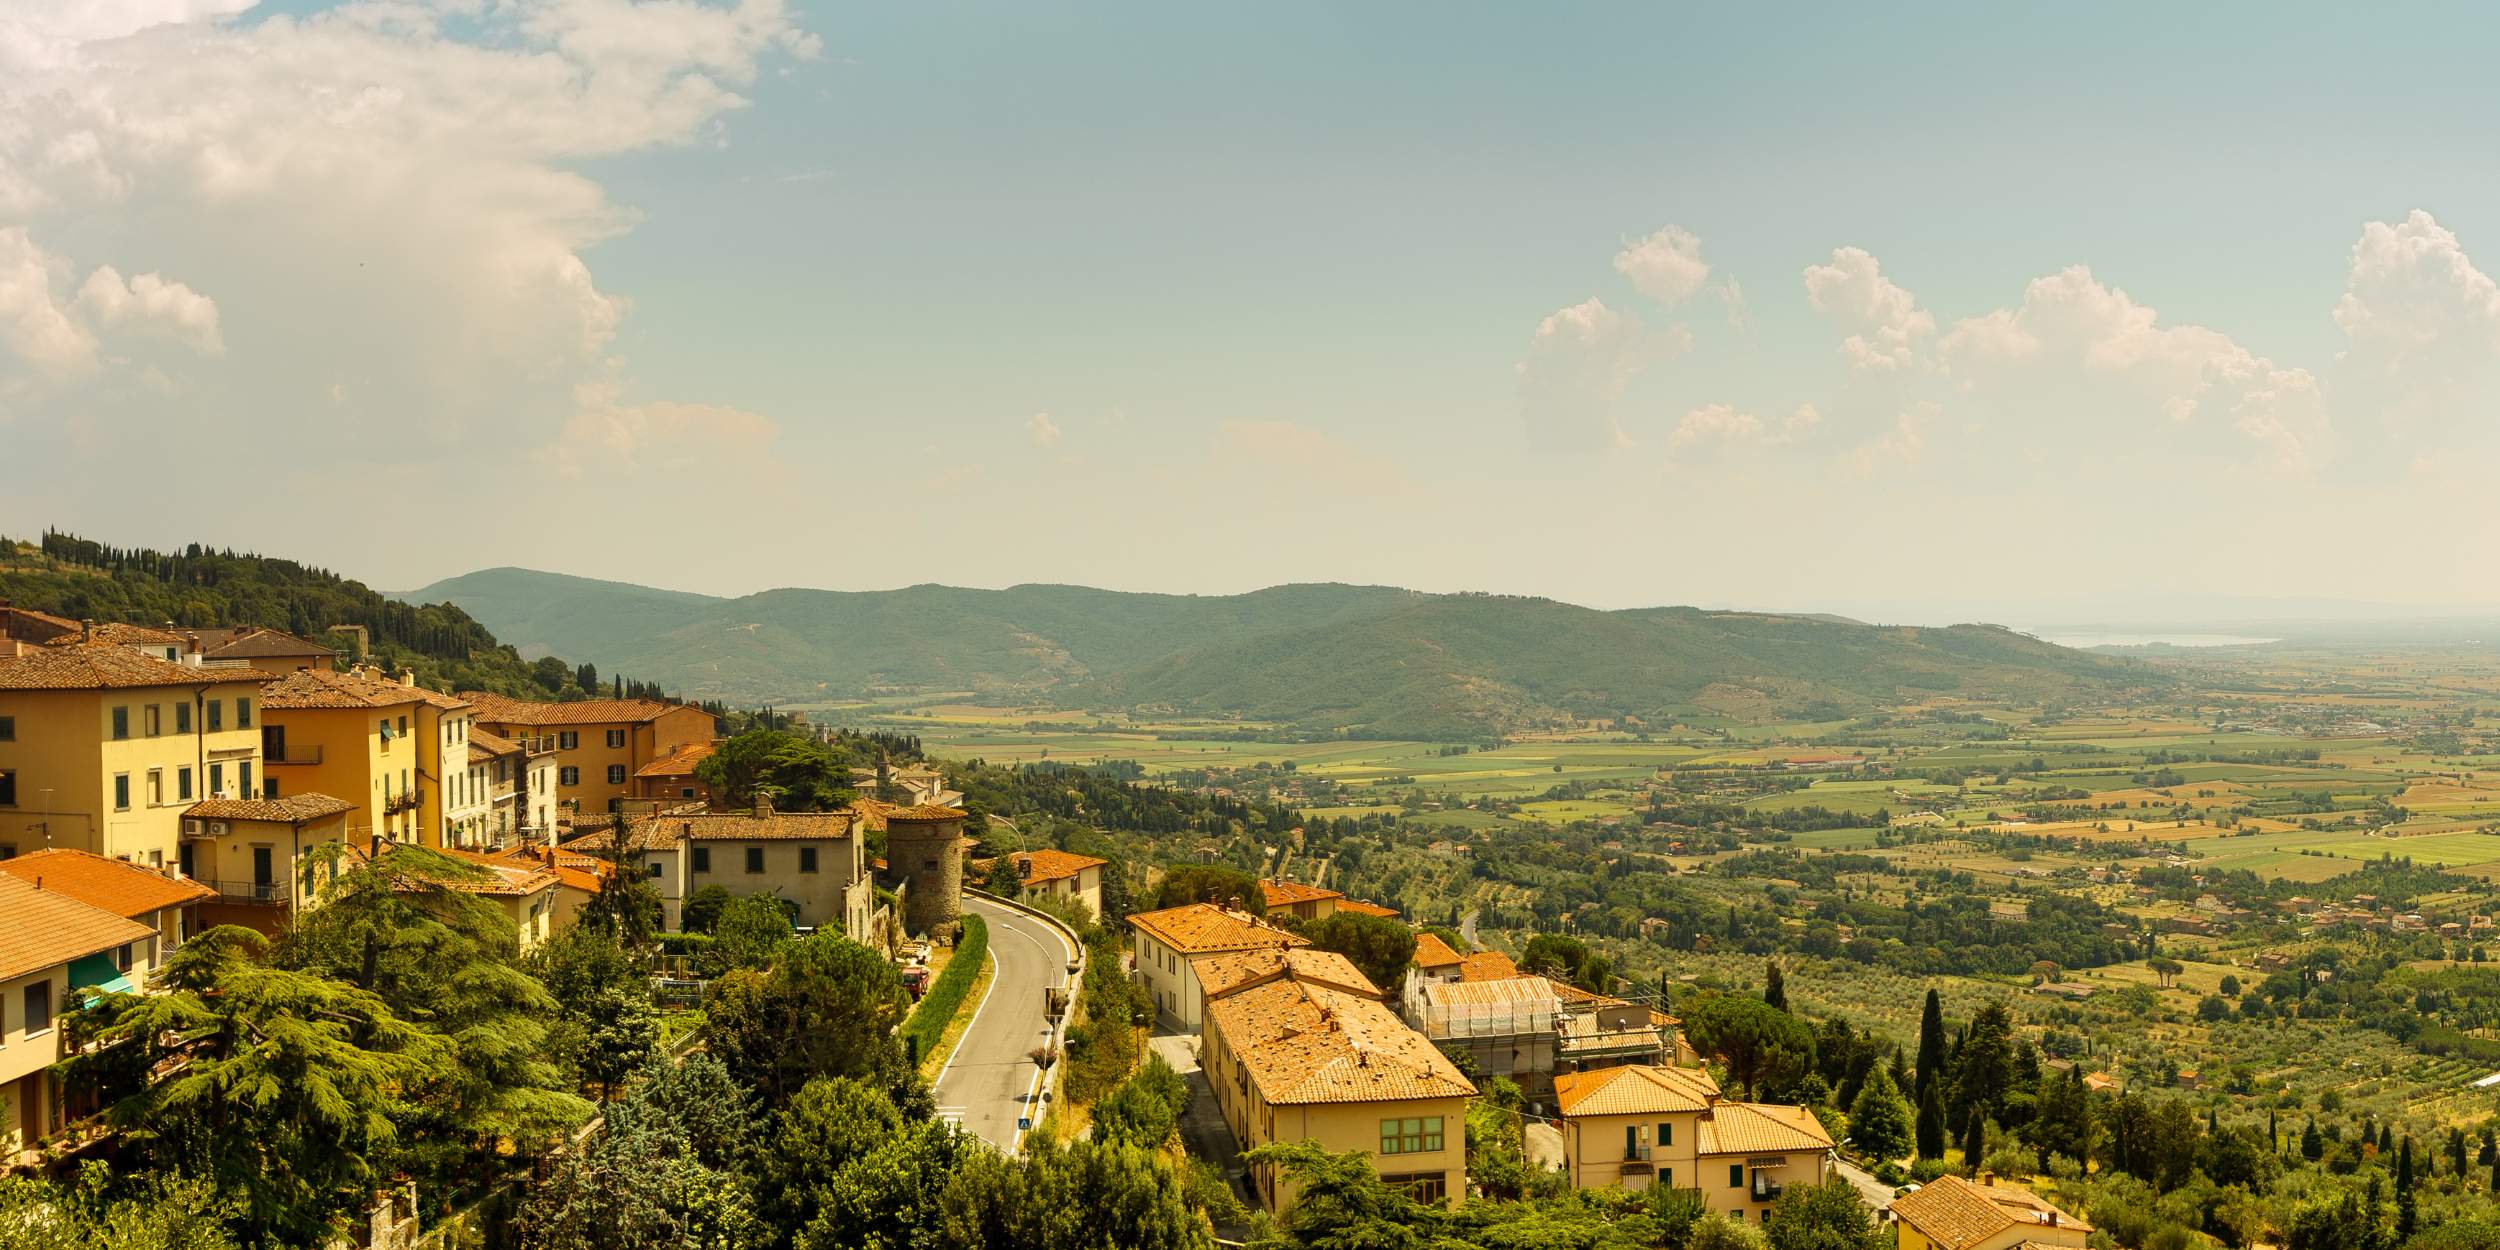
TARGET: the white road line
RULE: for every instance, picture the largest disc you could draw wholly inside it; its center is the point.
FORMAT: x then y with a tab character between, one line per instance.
977	1009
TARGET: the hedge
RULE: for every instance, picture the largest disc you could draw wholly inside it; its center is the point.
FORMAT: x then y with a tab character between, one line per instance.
938	1006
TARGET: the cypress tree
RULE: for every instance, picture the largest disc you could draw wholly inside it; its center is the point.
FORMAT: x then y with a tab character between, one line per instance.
1930	1047
1974	1141
2404	1191
1930	1121
1775	989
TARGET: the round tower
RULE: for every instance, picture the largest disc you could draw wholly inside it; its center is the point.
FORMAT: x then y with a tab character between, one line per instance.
924	849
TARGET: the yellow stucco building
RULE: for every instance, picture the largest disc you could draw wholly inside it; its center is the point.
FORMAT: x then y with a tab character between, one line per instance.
1950	1213
51	946
265	858
1639	1125
1298	1047
600	743
101	747
1165	942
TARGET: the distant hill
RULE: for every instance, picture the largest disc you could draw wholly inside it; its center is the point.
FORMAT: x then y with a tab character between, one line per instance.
1366	659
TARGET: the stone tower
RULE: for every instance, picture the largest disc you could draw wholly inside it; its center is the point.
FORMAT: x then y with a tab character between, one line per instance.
924	849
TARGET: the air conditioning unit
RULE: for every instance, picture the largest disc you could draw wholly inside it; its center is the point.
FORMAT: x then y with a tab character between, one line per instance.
191	828
216	828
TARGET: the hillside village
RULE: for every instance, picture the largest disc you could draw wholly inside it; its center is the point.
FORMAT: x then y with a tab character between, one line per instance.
160	784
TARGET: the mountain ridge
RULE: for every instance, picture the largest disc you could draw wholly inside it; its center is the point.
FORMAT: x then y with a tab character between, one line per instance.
1316	656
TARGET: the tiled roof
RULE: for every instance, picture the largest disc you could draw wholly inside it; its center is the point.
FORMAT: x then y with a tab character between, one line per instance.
923	814
1530	992
123	889
1635	1089
1954	1213
1204	928
505	710
1752	1128
28	625
1361	908
677	763
1487	966
1432	952
1303	1042
1219	975
107	666
44	928
122	635
502	877
664	831
1288	893
291	810
1050	865
311	689
262	644
492	744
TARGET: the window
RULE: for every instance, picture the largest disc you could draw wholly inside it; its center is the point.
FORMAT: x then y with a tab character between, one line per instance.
182	781
121	957
38	1007
8	729
403	726
182	718
807	859
153	717
1426	1187
216	714
243	777
216	780
121	723
1631	1141
569	775
1666	1133
268	790
616	738
121	792
1666	1178
755	859
703	859
568	740
8	787
243	713
655	870
156	787
1412	1135
616	774
1736	1176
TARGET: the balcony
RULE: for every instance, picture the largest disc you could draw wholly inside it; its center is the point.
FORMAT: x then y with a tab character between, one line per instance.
264	893
1767	1190
292	754
407	800
543	744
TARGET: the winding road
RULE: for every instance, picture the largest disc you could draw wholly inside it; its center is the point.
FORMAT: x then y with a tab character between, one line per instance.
989	1085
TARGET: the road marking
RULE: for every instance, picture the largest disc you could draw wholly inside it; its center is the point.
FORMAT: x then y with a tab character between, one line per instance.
969	1026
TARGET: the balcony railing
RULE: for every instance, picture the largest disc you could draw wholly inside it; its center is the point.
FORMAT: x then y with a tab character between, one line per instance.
543	744
405	801
1767	1190
266	893
304	754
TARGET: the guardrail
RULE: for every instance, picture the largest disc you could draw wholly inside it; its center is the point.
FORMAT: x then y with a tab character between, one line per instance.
267	893
293	755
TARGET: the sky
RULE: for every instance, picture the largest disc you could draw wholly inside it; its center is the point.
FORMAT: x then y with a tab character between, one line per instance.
1953	312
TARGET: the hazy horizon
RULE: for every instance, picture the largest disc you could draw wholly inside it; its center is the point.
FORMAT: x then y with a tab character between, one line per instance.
1956	314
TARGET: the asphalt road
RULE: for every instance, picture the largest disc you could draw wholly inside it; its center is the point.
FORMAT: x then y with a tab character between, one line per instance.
989	1084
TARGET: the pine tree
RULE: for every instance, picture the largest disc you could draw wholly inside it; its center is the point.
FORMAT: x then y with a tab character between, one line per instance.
1879	1121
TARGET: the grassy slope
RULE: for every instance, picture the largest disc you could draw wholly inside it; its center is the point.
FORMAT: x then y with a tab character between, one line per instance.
1321	656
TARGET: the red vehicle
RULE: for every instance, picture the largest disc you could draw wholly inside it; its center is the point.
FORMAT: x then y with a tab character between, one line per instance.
916	980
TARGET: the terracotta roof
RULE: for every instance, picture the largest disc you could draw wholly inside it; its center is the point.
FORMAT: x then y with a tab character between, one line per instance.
1752	1128
44	928
677	763
261	644
122	635
1954	1213
108	666
28	625
502	878
1219	975
124	889
1287	893
923	814
492	744
1204	928
1050	865
503	709
310	689
1531	992
1303	1042
1361	908
1635	1089
666	830
1432	952
294	809
1487	966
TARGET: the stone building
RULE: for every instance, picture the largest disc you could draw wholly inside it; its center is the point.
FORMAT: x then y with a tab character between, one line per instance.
924	852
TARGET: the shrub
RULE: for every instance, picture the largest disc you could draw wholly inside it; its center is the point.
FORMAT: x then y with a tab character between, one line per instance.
937	1008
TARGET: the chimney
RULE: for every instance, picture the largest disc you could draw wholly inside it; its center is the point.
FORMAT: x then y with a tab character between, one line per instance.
407	677
763	805
86	630
1986	1177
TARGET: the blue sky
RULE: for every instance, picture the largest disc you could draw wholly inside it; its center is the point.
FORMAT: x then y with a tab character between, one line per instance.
1204	298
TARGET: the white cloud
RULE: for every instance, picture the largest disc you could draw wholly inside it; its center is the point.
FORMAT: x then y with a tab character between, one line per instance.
2411	290
1666	266
1724	428
2080	350
1579	362
1045	431
1887	328
606	431
150	301
33	324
